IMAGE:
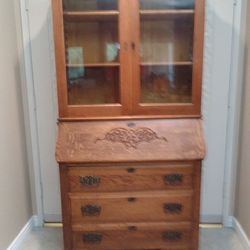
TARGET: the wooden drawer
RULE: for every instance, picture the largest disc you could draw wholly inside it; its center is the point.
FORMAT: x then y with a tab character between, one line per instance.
130	178
131	207
133	236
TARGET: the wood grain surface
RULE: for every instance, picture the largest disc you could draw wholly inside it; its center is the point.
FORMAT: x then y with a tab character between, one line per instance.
133	177
134	236
133	207
137	141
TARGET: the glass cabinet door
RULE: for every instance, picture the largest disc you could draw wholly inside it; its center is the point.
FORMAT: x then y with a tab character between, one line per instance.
91	63
92	51
129	57
166	35
166	56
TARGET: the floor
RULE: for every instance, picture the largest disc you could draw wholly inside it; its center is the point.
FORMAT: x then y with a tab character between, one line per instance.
211	239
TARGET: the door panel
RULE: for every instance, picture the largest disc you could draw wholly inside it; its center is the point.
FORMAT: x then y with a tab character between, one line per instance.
169	53
92	55
92	71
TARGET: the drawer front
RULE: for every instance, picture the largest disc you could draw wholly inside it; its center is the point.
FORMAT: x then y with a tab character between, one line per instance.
130	178
134	237
131	207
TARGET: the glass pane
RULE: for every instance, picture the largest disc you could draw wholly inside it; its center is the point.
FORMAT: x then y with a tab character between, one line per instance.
93	85
168	40
92	56
166	54
91	42
90	5
166	84
167	4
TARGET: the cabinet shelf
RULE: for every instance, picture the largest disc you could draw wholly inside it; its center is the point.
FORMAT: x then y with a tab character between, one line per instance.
114	64
90	15
89	65
161	14
184	63
166	12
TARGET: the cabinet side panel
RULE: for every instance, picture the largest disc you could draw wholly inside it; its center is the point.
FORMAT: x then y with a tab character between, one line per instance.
60	56
67	233
199	23
196	211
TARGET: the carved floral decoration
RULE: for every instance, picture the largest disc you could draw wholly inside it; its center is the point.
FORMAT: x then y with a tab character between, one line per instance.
131	137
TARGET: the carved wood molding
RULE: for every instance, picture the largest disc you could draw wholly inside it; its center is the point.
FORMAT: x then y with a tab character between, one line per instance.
122	141
131	137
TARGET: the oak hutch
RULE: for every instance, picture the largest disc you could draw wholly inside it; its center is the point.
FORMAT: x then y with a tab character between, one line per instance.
130	140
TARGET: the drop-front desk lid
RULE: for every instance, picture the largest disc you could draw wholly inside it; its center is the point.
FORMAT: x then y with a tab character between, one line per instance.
130	141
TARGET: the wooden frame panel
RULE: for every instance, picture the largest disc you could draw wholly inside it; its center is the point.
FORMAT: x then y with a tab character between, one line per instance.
66	208
191	109
57	9
196	204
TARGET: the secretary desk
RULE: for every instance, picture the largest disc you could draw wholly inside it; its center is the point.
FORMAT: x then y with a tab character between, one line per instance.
130	139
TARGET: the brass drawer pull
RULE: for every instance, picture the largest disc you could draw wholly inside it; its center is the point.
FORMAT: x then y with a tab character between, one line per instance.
131	199
91	210
171	235
90	180
131	170
93	238
173	208
173	179
132	228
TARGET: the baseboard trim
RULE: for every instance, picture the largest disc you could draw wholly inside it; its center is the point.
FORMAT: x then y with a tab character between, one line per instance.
241	233
37	221
228	221
52	218
210	218
33	221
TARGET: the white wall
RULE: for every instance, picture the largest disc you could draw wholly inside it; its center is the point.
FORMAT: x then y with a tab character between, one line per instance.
215	100
15	208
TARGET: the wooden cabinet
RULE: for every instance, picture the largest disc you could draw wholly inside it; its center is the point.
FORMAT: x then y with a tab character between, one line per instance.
130	139
129	57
